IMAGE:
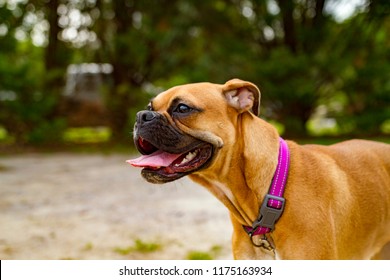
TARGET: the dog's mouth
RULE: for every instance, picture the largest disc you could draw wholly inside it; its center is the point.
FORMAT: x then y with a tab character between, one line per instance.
160	166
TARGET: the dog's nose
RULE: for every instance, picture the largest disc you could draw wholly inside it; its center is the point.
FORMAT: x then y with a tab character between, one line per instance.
145	116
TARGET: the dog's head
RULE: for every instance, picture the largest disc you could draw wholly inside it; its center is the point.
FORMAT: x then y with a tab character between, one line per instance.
184	128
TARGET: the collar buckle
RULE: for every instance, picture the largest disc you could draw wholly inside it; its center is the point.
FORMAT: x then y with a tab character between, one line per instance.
269	215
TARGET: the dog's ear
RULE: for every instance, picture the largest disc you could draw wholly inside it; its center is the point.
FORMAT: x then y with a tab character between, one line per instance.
242	95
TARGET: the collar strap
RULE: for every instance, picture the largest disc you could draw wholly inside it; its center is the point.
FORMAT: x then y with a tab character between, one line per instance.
273	204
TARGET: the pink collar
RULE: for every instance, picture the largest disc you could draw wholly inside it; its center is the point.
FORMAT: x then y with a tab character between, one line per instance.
273	203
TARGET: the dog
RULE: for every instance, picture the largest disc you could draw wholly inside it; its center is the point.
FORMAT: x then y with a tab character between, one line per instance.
336	199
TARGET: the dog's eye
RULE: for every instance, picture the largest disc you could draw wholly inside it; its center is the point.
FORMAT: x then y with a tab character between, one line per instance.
183	109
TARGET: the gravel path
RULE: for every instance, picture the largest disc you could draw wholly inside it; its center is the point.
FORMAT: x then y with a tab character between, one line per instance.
72	206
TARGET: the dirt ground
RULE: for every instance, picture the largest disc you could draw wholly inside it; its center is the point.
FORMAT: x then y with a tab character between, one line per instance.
71	206
75	206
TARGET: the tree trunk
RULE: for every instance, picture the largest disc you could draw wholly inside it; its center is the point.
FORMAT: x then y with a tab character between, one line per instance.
287	9
56	58
119	100
51	60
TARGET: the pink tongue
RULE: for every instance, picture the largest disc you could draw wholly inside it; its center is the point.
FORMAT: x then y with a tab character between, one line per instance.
157	159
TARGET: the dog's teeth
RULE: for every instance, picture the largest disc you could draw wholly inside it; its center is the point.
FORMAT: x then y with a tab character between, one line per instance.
190	156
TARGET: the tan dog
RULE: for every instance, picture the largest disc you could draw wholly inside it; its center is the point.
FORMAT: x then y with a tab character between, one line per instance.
337	197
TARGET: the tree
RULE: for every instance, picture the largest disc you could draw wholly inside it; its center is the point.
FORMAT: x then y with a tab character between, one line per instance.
297	53
286	47
366	72
20	106
290	60
148	43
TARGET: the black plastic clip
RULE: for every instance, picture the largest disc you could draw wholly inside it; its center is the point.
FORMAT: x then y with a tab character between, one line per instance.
269	215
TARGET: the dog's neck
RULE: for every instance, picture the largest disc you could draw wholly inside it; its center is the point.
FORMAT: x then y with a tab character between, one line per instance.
259	157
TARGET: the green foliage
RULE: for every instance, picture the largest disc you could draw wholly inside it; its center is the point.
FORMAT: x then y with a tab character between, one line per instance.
290	89
298	54
27	109
25	118
24	108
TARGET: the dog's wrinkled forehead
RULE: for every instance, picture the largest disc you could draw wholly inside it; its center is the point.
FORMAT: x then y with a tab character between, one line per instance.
190	94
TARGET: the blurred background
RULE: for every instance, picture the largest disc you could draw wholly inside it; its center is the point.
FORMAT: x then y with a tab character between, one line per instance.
74	73
77	71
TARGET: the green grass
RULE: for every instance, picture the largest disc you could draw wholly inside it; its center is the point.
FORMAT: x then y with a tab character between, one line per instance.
81	135
3	133
385	127
5	138
198	255
87	134
97	140
139	247
88	246
123	251
210	255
